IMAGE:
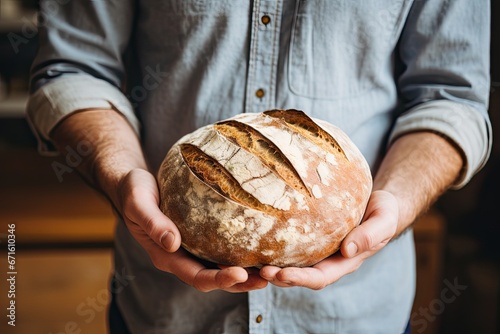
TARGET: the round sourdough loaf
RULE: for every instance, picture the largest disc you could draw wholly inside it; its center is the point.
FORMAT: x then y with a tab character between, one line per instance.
273	188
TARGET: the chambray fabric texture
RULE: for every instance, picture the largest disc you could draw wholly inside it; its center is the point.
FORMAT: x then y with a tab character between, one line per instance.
377	69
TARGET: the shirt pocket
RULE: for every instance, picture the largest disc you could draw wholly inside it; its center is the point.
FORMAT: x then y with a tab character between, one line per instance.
342	48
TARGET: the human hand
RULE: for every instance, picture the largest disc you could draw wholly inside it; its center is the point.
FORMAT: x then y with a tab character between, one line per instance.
377	229
138	200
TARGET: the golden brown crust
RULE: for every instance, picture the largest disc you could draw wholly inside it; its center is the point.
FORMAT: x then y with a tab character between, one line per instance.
274	188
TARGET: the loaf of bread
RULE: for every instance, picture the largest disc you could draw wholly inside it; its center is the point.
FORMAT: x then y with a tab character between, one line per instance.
273	188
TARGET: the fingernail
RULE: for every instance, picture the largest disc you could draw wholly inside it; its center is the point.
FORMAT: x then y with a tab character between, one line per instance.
352	249
168	240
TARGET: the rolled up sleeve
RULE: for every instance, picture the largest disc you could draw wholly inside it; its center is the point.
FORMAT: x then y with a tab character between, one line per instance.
460	123
72	93
445	82
79	64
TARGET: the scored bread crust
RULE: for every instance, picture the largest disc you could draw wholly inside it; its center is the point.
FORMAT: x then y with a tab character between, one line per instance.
274	188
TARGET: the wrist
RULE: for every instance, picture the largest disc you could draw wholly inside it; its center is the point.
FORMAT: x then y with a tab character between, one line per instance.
417	169
114	184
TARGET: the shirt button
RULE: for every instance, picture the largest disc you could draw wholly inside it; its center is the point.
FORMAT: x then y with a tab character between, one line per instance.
260	93
258	319
265	19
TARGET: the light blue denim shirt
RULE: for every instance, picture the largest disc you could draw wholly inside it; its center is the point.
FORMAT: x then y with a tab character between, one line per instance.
375	68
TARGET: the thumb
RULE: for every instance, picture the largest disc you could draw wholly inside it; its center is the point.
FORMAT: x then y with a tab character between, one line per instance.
144	218
377	229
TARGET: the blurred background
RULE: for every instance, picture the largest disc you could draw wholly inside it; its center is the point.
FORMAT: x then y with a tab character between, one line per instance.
64	229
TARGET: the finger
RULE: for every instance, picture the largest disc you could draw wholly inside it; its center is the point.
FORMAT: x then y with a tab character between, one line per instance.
310	277
378	228
211	279
140	207
269	273
254	282
320	275
250	281
250	270
192	272
232	279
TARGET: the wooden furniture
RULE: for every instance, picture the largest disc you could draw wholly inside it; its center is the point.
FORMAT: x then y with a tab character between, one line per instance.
429	231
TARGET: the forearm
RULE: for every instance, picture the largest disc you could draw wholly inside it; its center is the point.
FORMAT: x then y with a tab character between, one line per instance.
114	147
417	169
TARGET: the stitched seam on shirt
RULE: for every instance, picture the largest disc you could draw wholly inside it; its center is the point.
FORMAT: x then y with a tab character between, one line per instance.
275	54
290	47
253	51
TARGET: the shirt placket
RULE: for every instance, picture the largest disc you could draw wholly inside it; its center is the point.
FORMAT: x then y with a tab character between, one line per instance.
263	56
260	302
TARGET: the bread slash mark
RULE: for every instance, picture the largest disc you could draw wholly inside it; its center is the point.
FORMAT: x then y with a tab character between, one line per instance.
212	173
260	146
305	126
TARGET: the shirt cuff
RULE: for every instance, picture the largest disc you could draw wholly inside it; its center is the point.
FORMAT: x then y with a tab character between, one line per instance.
464	125
71	93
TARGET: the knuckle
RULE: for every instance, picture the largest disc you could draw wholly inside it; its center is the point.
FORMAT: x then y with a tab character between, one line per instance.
148	224
198	283
157	263
200	287
320	286
367	239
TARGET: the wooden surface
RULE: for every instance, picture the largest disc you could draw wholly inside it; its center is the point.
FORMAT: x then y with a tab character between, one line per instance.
58	291
58	213
47	211
62	280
